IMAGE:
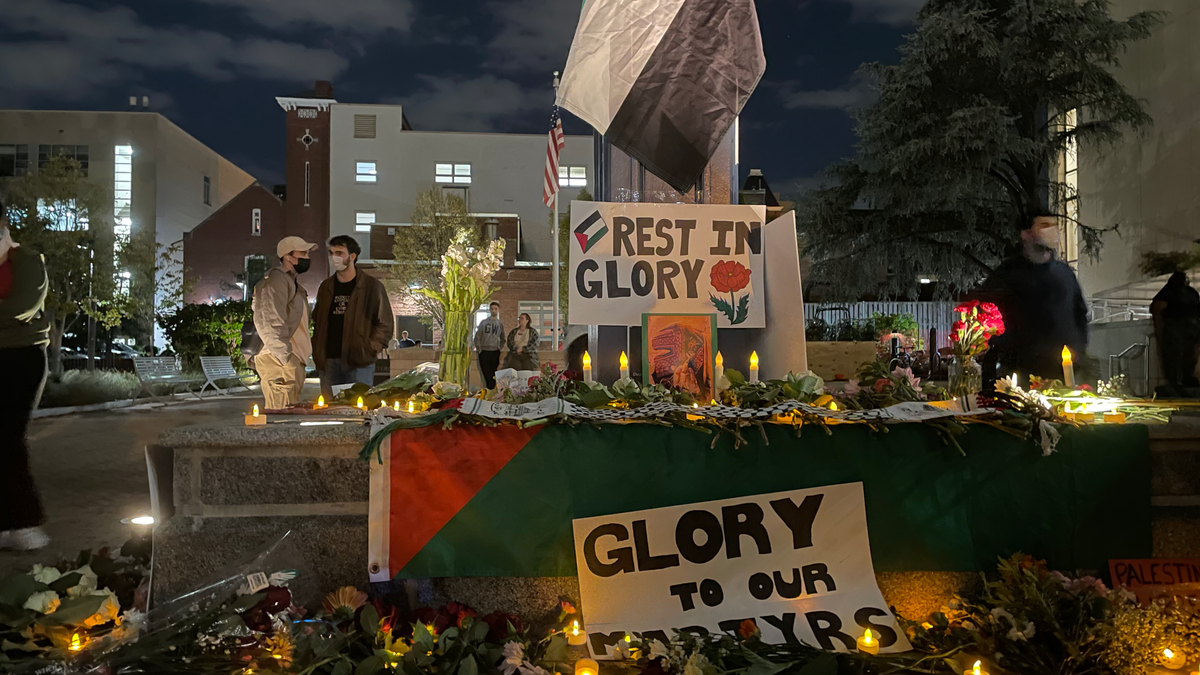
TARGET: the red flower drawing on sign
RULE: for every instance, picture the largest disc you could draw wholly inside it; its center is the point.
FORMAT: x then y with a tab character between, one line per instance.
729	276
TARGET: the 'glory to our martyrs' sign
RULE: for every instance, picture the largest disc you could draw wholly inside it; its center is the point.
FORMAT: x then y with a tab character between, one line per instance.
628	259
798	563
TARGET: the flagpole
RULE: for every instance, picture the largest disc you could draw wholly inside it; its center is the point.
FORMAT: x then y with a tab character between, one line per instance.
555	272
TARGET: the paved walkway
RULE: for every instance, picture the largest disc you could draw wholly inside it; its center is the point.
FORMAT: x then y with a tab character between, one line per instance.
91	470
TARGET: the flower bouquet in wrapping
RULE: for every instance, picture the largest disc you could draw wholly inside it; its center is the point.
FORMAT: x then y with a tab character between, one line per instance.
466	284
977	323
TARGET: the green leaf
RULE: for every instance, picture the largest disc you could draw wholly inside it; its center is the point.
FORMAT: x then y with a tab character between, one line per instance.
447	637
15	589
722	306
824	664
743	310
735	377
595	398
368	619
73	611
66	581
370	665
343	667
479	631
422	636
468	665
761	666
556	651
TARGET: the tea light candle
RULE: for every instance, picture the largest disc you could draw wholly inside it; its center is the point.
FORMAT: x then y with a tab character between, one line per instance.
396	405
624	366
254	419
1172	660
412	407
976	669
587	667
867	644
693	418
576	637
754	366
1114	417
360	405
1068	368
320	401
587	367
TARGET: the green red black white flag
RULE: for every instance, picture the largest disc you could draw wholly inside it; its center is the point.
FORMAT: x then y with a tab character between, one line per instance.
663	80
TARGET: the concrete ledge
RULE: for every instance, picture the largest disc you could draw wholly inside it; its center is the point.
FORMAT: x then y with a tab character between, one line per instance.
237	435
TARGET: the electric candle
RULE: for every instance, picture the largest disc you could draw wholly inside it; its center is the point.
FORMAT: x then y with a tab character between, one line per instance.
719	372
754	366
396	405
867	644
254	419
976	669
694	418
587	667
576	637
360	403
587	367
624	366
1068	368
1172	660
412	407
321	401
1114	417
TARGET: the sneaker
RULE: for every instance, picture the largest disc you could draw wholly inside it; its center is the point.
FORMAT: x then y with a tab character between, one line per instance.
28	539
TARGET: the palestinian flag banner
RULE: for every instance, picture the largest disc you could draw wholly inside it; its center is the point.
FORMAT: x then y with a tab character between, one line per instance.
500	500
664	80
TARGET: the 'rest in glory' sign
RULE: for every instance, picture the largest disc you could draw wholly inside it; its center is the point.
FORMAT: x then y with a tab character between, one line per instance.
632	259
798	563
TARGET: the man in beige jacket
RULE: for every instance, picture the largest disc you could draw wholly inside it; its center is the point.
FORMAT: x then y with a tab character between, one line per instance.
281	319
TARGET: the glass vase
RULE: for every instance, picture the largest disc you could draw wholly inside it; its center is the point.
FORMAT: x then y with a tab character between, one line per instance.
455	361
966	377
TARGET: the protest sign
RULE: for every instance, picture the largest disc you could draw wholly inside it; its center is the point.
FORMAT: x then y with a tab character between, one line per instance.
628	259
798	563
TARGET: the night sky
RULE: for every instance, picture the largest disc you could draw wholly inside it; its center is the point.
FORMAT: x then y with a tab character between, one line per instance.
214	67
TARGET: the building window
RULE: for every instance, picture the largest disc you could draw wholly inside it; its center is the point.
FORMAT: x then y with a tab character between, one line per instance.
62	215
77	152
572	176
541	315
256	223
364	126
307	171
123	282
364	172
208	191
452	173
123	191
1068	198
253	272
363	220
14	160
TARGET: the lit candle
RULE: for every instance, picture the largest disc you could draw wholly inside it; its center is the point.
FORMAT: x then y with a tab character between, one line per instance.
1068	368
719	372
396	405
412	407
254	411
320	401
693	418
254	419
1114	417
754	366
587	667
76	641
867	644
624	366
1172	660
587	367
576	637
976	669
360	402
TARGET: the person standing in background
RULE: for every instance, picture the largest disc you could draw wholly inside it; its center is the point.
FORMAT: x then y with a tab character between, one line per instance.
405	341
281	318
522	345
24	334
489	338
353	320
1176	312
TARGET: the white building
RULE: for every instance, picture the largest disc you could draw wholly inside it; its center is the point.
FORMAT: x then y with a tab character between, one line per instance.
378	165
162	179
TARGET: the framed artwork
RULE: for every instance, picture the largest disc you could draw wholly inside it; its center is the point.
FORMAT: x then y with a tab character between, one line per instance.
678	350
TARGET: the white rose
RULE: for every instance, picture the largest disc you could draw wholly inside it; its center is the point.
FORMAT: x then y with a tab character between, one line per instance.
109	610
87	582
44	602
45	575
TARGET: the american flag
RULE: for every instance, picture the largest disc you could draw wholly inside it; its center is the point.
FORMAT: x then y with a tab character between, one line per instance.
555	142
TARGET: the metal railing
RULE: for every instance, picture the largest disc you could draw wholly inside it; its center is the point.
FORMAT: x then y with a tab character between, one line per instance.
939	315
1109	311
1134	351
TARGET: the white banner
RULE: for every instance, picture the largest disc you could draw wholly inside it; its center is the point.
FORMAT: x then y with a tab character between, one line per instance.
628	259
798	563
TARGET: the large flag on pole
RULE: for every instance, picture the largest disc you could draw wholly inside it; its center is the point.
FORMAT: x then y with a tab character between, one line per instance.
555	142
663	80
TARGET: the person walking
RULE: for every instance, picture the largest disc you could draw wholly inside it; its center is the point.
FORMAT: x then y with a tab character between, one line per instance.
281	318
1176	313
522	345
24	334
489	338
1042	306
353	320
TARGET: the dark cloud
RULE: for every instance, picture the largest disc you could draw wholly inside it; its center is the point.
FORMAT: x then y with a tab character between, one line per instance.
364	17
484	103
532	35
858	92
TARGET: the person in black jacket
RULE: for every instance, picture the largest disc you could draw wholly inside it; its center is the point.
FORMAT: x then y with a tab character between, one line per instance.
1176	312
1042	306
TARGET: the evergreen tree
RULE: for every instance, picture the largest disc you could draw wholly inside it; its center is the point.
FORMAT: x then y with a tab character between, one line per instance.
961	148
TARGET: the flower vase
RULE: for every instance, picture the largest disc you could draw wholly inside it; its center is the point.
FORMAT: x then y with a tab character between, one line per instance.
966	377
455	361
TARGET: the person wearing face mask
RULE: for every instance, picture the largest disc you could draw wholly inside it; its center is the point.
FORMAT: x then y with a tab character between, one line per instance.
281	319
1042	306
353	320
24	334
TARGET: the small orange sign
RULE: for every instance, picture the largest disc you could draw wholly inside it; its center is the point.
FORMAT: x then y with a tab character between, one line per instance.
1157	577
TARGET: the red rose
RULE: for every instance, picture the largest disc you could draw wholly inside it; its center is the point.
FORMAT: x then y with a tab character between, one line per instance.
967	307
498	623
729	276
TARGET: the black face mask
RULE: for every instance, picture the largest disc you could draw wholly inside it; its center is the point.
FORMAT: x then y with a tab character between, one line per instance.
302	265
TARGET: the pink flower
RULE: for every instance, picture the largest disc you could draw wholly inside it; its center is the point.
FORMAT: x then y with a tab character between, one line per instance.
907	373
852	388
880	384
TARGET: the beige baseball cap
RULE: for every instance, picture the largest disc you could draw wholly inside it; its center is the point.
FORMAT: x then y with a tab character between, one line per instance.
289	244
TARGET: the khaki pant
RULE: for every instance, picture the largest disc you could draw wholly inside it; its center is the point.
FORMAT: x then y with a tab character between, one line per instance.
281	383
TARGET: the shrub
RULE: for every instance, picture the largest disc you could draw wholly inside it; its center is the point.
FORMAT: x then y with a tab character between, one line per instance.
80	387
207	330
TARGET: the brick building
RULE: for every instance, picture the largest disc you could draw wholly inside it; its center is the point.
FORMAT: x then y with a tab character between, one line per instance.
229	251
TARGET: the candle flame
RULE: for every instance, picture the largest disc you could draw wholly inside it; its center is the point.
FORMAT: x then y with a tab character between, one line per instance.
867	637
695	405
624	360
411	406
254	411
76	643
720	360
360	402
396	405
753	360
1168	654
833	406
975	668
1066	356
627	638
320	401
587	360
575	628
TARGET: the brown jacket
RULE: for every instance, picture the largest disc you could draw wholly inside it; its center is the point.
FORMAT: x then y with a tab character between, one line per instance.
367	327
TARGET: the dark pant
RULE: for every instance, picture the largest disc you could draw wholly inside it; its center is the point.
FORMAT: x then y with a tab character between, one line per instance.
1177	346
489	361
25	373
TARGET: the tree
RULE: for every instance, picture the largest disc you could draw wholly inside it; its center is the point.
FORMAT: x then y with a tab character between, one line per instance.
957	153
418	248
564	255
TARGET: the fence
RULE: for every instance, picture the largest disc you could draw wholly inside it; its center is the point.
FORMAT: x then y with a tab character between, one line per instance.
106	362
939	315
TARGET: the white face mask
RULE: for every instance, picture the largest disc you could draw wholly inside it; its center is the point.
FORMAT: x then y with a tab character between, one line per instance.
339	263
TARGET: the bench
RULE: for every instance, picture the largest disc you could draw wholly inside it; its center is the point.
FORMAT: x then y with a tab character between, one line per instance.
160	370
219	368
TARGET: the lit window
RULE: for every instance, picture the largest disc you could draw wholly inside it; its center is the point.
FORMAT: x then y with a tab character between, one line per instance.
1068	201
363	220
452	173
76	152
62	215
256	222
572	176
123	191
208	191
541	316
123	281
364	172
